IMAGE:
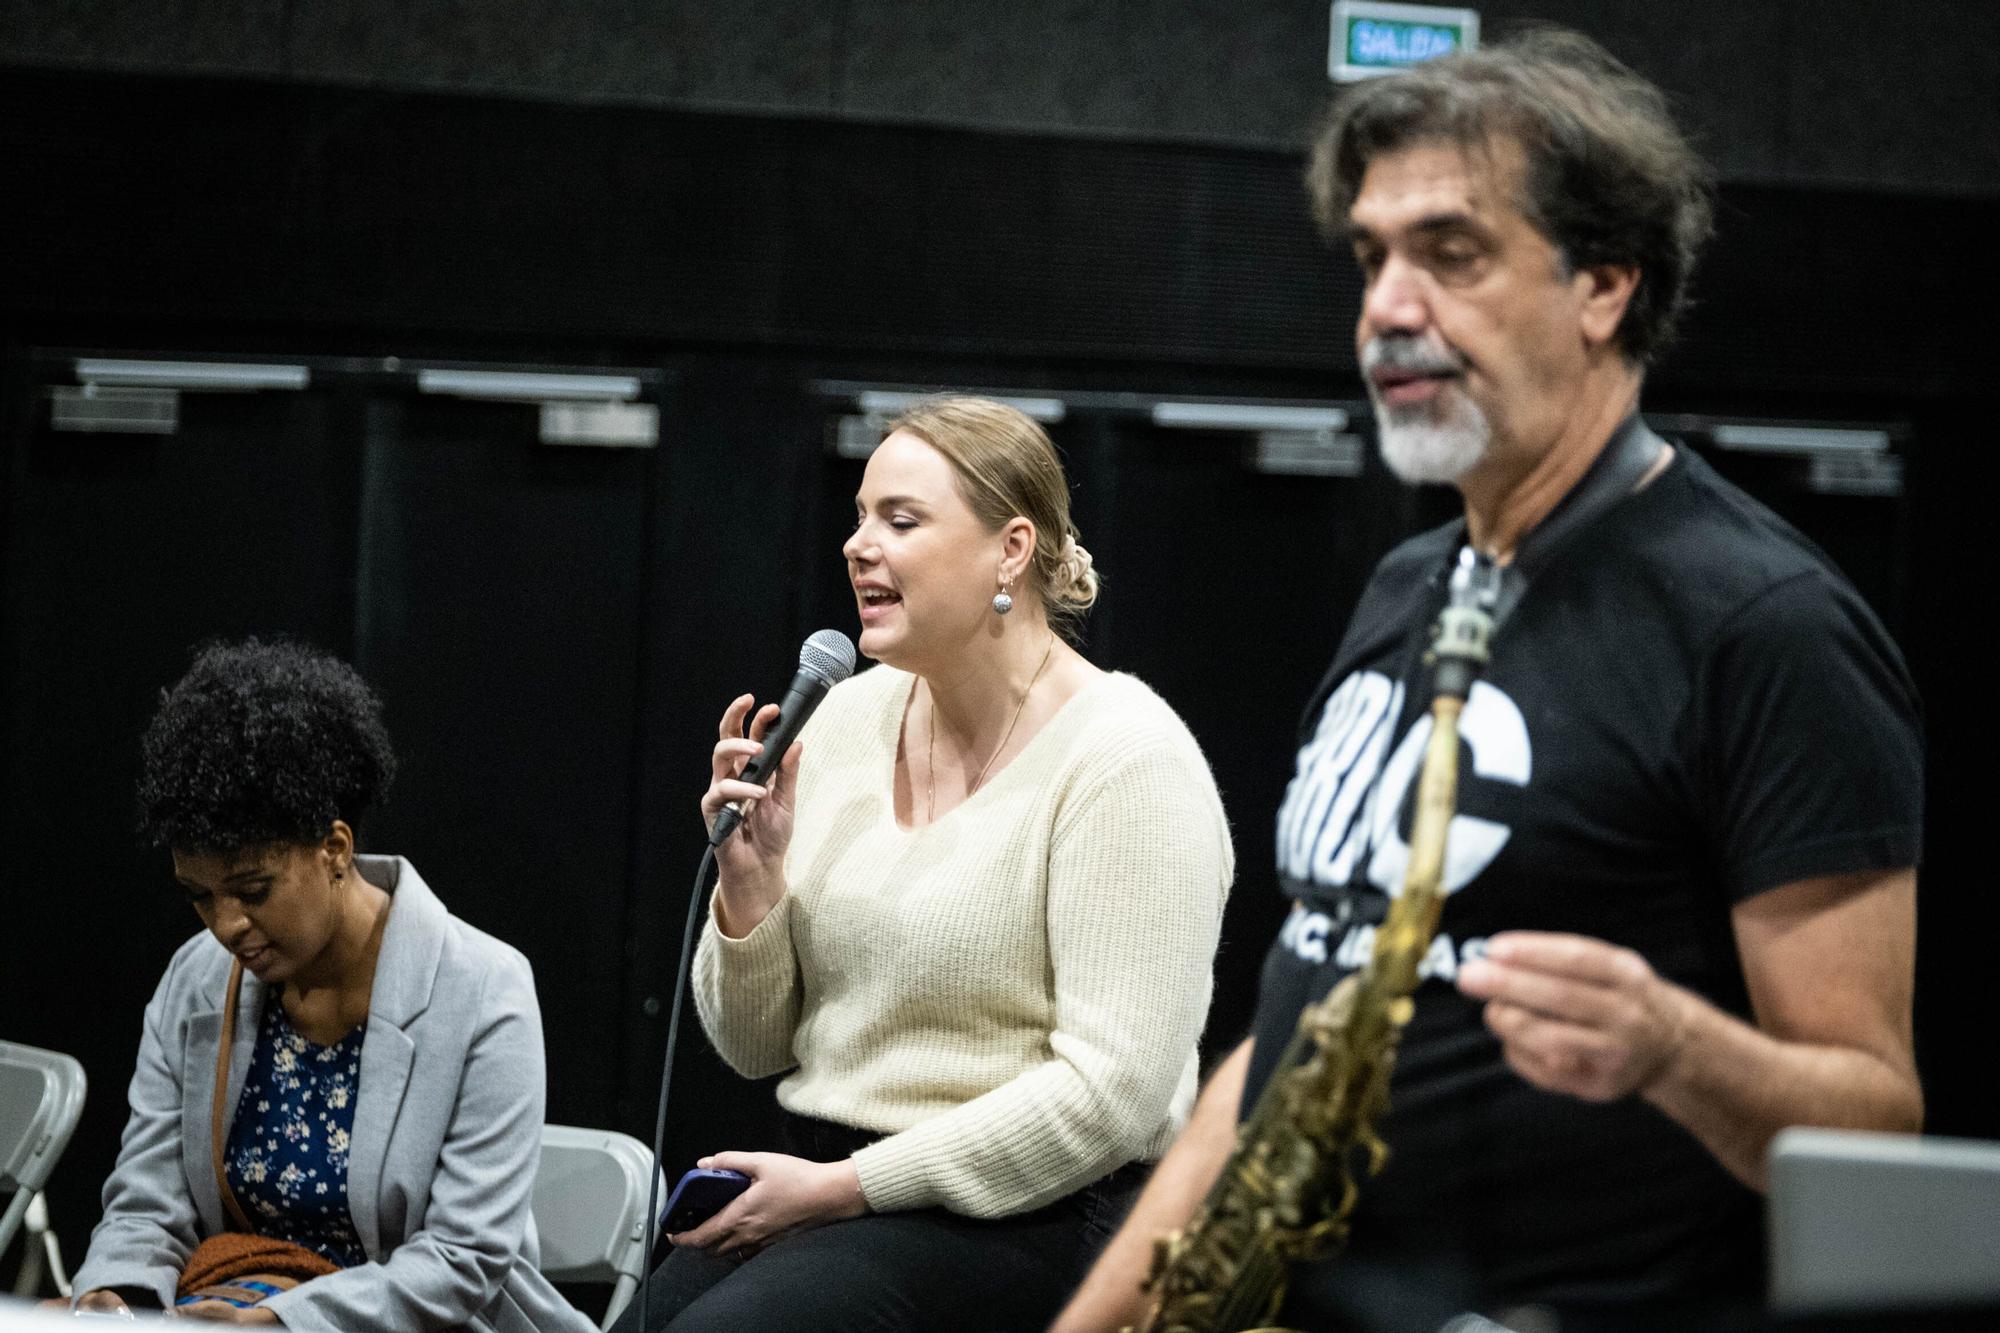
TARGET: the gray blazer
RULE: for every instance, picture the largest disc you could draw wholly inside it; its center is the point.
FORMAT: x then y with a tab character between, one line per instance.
447	1134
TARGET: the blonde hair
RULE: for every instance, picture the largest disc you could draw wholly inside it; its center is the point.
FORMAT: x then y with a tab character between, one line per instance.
1007	467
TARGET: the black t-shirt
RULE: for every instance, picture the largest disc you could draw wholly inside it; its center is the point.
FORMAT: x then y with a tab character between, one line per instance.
1686	706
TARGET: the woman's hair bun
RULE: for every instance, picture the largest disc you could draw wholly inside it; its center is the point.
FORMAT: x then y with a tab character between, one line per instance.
1075	582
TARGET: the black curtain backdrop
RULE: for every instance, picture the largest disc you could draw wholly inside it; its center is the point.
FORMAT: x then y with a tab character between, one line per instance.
556	630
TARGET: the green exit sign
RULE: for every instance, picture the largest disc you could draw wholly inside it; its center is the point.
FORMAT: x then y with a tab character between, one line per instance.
1371	38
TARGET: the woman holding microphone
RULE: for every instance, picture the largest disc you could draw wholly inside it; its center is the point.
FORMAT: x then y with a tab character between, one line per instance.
974	914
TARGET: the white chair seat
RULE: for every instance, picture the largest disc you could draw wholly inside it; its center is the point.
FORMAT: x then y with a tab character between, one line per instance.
590	1209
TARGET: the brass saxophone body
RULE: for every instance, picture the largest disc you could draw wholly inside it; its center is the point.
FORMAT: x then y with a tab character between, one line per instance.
1289	1188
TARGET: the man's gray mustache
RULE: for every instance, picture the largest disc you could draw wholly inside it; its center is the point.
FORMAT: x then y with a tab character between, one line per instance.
1408	354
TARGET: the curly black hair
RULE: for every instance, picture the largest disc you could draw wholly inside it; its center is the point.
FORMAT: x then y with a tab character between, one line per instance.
261	743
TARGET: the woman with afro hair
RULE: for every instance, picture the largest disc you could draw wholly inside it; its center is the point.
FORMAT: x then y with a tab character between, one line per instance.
382	1092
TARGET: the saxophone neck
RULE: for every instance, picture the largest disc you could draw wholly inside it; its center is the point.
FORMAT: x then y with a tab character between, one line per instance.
1460	647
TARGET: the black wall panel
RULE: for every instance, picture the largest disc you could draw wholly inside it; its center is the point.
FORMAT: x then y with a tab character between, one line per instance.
500	610
1953	563
289	211
726	612
1803	92
213	36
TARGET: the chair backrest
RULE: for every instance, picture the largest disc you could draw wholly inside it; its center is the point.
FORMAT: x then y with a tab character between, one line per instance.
41	1099
590	1209
1863	1221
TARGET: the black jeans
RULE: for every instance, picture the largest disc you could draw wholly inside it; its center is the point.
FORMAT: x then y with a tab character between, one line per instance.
908	1271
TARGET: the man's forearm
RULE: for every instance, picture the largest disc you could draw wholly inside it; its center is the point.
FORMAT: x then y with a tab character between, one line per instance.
1110	1297
1734	1087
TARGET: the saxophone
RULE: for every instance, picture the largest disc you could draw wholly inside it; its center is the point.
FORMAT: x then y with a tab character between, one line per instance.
1289	1187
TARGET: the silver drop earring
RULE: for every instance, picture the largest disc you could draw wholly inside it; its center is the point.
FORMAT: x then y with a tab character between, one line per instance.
1003	601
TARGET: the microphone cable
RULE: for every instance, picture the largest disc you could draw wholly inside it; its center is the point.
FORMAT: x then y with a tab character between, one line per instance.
825	659
667	1083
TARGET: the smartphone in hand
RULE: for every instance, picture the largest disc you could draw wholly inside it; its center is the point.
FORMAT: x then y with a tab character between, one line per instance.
700	1195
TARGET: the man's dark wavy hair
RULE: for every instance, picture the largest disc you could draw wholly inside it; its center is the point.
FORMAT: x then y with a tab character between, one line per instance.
261	743
1609	180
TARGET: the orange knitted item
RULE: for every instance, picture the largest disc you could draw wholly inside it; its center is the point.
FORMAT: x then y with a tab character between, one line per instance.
232	1257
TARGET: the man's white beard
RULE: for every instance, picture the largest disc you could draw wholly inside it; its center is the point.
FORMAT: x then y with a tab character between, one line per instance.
1419	448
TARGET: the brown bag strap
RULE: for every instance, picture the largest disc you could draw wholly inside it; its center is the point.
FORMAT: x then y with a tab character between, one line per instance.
218	1123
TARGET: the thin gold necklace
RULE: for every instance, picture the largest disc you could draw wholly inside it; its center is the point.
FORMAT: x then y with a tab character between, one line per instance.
930	740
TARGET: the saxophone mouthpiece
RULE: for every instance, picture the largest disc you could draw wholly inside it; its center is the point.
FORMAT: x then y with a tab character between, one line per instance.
1465	627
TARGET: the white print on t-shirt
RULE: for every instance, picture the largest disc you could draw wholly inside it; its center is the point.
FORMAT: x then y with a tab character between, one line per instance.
1335	812
1306	933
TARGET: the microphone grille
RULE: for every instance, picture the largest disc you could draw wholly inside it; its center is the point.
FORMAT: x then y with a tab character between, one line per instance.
829	655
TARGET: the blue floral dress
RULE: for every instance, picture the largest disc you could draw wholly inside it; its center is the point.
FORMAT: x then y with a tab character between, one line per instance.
287	1153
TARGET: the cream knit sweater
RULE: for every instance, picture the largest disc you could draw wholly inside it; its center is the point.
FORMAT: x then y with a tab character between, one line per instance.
1011	995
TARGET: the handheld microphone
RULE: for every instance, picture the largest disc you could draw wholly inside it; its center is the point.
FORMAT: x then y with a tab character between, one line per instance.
826	659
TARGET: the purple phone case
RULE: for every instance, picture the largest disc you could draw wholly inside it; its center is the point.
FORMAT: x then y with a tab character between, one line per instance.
699	1196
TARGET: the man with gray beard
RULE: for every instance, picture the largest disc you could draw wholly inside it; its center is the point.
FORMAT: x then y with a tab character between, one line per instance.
1682	875
1436	441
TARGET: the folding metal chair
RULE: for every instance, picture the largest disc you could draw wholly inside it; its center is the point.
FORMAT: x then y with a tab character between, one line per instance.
590	1209
41	1098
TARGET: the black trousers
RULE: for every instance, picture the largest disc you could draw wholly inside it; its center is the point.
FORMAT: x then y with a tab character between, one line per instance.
908	1271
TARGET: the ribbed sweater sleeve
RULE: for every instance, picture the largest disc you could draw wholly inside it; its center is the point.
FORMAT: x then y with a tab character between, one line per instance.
1136	879
747	993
